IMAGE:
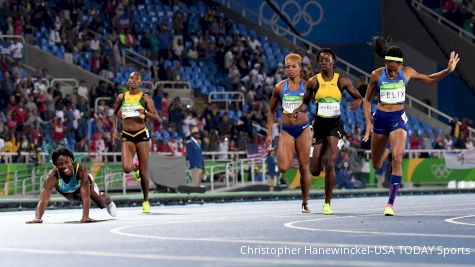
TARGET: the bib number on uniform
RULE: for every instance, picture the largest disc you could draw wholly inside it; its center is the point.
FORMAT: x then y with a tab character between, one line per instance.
392	93
328	110
131	111
290	103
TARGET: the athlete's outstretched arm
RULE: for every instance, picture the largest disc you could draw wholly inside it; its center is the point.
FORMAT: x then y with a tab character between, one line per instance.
116	107
434	77
85	194
50	183
274	100
367	104
357	98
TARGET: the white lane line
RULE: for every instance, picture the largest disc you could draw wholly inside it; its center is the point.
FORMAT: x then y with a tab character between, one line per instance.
239	260
454	220
293	226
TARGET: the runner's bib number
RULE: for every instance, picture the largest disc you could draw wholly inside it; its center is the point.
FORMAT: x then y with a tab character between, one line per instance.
290	103
131	111
392	93
328	110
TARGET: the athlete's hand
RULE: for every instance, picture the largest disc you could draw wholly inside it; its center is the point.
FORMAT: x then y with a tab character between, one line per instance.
453	60
35	221
269	147
369	130
115	135
87	220
355	104
301	109
142	111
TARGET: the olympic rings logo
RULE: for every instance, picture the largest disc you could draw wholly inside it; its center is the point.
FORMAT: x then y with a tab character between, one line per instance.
440	171
306	17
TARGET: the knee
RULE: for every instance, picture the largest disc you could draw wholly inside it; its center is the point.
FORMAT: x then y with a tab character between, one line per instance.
315	170
397	160
128	168
304	170
282	167
377	164
329	167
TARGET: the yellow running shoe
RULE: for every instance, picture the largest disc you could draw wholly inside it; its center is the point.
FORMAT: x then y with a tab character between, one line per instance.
146	207
327	209
305	208
389	210
136	172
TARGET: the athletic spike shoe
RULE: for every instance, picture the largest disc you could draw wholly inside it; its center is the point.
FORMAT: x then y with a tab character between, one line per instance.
327	209
112	209
305	208
146	207
389	210
136	172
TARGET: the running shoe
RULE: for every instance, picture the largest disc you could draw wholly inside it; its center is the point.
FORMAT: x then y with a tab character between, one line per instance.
305	208
389	210
136	172
146	207
112	209
327	209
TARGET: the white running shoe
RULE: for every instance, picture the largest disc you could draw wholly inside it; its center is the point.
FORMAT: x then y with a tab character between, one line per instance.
111	208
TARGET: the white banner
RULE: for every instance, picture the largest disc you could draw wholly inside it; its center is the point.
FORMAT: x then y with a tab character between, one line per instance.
460	160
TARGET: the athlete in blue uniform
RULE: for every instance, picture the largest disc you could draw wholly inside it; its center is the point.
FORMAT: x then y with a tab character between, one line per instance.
295	135
72	181
390	84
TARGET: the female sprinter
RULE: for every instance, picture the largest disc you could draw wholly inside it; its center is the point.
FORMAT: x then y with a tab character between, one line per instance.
327	87
136	107
296	133
390	120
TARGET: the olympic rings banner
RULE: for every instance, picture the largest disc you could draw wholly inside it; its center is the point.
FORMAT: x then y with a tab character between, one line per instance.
320	21
460	160
430	170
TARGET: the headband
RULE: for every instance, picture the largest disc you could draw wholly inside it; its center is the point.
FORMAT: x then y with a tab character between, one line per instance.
393	58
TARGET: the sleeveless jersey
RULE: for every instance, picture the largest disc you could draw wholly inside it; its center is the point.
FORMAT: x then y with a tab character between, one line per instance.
291	99
391	91
73	183
131	103
328	97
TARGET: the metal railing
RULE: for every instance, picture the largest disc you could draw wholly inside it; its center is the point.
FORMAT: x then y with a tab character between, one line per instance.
348	67
173	85
135	57
226	97
466	35
7	36
415	153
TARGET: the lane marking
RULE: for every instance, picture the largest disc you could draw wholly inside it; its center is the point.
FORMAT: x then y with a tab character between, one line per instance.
454	220
293	226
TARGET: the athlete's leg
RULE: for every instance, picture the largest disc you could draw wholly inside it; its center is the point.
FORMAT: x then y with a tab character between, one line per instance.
331	155
398	143
143	154
379	150
285	151
302	144
316	162
128	153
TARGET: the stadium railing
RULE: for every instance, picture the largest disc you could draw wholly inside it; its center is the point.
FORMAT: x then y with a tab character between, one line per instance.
135	57
226	97
443	21
415	153
345	65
